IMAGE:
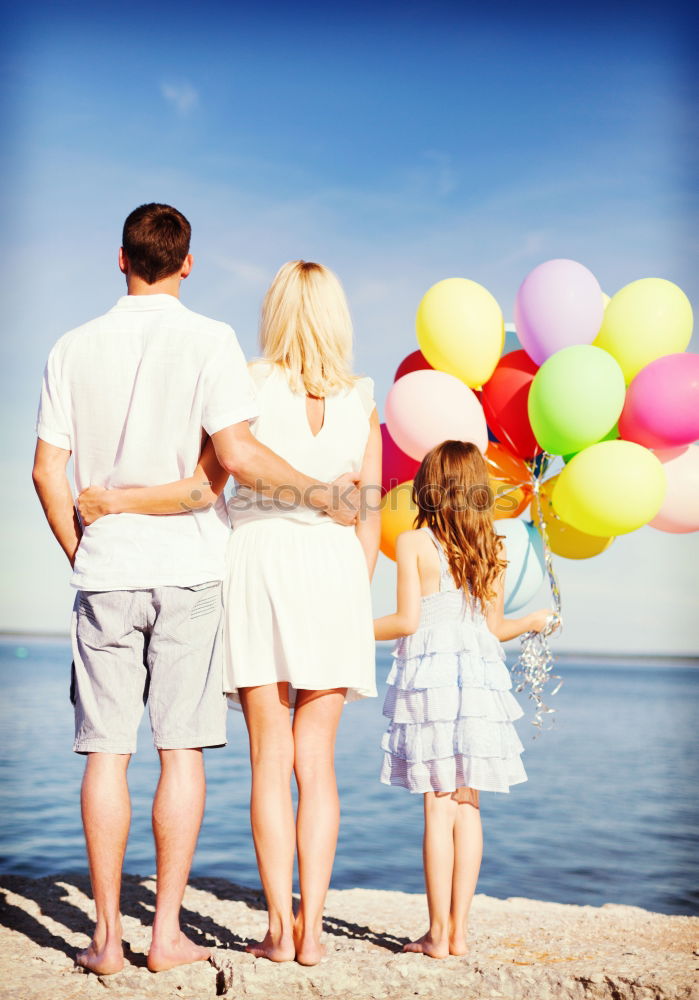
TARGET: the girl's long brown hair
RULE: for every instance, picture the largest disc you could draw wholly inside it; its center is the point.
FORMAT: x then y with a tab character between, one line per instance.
454	499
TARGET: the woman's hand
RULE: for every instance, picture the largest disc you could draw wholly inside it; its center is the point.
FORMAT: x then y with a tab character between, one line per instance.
540	619
93	503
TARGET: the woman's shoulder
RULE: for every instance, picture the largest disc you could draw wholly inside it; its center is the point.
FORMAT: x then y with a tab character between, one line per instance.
261	371
364	387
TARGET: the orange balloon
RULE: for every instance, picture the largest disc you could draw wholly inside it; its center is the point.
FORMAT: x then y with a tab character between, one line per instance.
398	513
510	481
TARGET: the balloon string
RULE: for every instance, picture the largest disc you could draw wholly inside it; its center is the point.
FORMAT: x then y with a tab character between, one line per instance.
535	662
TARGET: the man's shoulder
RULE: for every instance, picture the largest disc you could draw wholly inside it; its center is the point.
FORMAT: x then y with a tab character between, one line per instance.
77	332
215	328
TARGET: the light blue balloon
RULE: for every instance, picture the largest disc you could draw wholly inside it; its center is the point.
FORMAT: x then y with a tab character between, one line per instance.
526	566
511	340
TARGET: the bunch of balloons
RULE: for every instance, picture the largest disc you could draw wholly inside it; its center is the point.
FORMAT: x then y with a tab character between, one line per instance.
590	424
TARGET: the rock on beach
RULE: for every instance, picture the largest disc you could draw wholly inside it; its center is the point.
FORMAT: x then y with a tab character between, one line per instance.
521	949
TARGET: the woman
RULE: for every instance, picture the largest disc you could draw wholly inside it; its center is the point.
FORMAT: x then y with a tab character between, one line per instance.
298	621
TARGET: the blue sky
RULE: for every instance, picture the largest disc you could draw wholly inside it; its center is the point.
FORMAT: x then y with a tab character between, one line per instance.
399	145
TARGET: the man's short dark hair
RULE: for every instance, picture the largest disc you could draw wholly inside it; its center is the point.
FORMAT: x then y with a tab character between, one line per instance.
156	241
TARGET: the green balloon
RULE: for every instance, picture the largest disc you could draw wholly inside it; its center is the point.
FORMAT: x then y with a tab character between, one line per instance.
576	398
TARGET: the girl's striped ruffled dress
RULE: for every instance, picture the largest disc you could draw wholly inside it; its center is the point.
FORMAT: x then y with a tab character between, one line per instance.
449	700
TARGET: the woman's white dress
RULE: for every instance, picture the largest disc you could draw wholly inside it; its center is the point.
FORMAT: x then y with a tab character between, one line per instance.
296	594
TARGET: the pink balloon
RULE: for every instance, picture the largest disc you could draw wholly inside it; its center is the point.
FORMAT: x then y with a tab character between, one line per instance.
425	408
679	513
662	403
396	466
558	304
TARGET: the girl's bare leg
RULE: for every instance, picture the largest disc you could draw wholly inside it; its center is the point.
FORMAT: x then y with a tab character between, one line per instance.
438	860
267	717
468	852
316	718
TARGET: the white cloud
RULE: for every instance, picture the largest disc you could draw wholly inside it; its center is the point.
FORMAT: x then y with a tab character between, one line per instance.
246	272
182	96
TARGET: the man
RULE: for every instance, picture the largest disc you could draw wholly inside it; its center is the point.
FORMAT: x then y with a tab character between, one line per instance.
131	396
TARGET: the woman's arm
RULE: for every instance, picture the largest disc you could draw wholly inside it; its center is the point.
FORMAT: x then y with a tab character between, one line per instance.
509	628
197	492
407	618
369	522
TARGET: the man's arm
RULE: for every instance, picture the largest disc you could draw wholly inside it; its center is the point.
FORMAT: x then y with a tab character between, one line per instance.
255	465
52	486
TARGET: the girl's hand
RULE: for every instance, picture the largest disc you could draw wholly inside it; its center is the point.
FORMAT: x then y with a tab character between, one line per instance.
539	619
93	503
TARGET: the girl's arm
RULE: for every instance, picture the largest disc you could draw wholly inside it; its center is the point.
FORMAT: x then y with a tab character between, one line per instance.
369	522
407	618
509	628
197	492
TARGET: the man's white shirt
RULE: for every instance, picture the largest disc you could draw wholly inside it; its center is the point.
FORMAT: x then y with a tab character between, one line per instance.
130	394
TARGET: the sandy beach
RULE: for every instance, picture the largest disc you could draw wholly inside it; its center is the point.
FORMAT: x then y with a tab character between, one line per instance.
520	948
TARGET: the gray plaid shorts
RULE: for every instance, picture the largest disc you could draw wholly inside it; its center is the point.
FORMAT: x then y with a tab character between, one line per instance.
161	647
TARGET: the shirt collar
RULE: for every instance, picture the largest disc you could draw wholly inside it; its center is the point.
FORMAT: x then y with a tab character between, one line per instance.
138	303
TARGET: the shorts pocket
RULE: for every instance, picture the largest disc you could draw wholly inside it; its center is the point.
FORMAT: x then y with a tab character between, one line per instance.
206	606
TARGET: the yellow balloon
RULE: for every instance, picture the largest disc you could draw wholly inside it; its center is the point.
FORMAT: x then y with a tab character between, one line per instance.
644	321
610	488
564	539
398	513
461	330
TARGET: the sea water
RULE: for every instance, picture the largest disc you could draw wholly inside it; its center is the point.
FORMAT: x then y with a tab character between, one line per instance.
609	813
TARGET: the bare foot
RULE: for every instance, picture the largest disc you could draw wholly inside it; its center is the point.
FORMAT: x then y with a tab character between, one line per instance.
105	961
458	946
426	946
309	951
169	954
276	950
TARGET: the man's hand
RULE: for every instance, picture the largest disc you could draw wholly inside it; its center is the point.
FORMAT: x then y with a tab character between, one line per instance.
93	503
343	500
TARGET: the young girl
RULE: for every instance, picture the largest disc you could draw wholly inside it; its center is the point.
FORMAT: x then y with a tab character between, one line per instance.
449	699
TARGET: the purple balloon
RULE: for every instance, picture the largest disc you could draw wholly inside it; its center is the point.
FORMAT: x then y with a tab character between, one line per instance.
558	304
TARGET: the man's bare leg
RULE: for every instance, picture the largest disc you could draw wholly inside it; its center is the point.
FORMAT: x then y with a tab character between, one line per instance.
106	812
178	809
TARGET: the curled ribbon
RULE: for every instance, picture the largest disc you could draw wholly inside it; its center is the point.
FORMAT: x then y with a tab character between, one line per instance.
535	663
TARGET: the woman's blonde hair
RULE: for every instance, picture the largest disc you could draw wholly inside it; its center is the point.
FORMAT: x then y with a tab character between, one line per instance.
453	497
306	328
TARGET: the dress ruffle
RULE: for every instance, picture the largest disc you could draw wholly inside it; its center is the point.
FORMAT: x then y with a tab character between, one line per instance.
451	708
448	774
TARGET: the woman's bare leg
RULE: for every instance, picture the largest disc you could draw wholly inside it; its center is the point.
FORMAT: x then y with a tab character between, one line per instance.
267	717
468	852
438	860
316	719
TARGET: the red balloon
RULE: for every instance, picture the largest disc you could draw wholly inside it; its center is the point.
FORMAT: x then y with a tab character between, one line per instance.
504	398
414	362
396	466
